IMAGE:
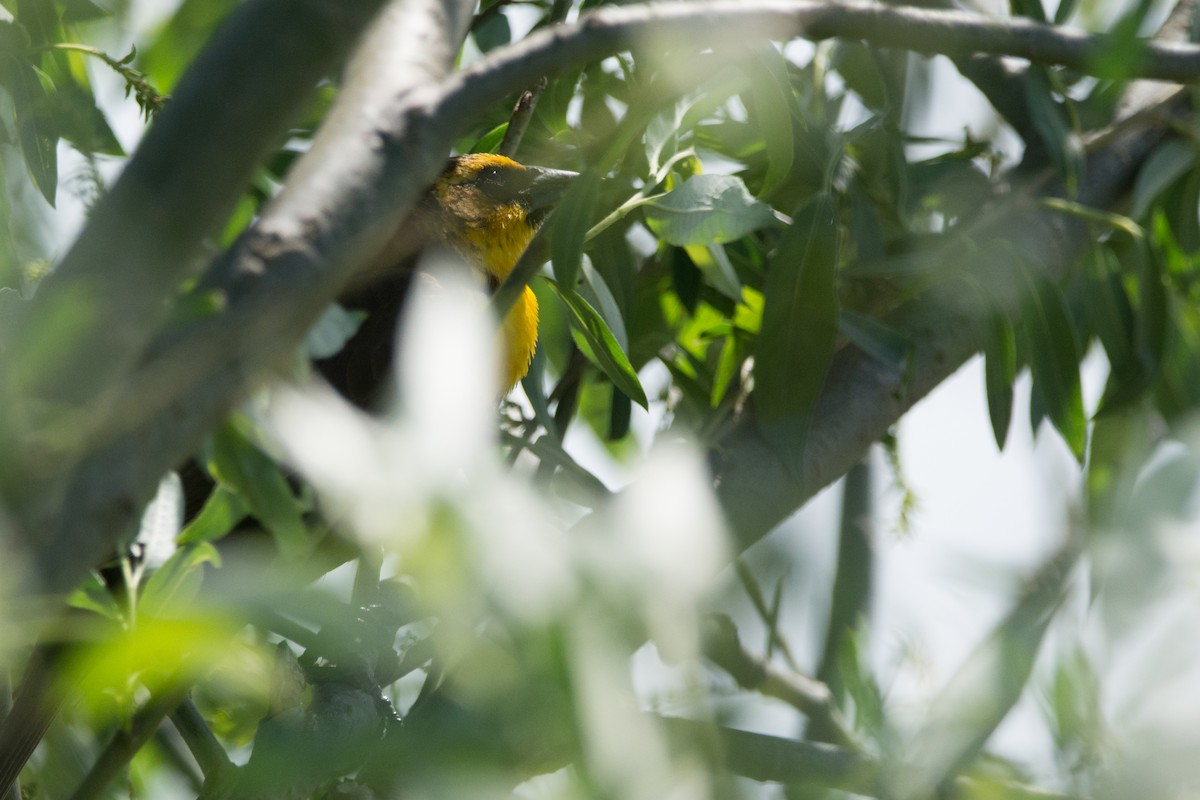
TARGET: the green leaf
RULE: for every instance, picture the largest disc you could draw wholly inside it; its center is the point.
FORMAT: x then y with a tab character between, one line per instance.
727	367
573	217
1053	355
1170	161
595	290
714	264
36	128
1065	9
799	330
1028	8
774	109
223	510
93	595
1050	121
598	344
239	465
81	122
175	584
490	140
164	60
706	209
999	371
492	32
620	413
857	65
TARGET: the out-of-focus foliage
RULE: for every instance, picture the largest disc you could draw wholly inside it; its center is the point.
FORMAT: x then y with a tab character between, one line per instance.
414	605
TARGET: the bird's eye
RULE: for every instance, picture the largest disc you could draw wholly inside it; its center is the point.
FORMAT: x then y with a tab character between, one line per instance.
488	175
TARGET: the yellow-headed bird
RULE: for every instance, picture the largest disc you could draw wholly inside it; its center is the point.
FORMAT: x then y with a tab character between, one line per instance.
487	208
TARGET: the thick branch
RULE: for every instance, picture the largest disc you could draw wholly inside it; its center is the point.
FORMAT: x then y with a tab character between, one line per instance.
337	210
103	302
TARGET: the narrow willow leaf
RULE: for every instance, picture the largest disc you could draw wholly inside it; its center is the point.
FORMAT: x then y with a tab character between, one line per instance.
775	109
238	464
707	209
572	218
600	346
714	264
177	582
223	510
619	416
1000	370
1053	355
1169	162
490	140
595	290
1050	121
799	330
727	367
36	130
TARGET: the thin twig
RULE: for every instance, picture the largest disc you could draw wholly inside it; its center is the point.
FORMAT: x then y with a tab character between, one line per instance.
810	697
519	121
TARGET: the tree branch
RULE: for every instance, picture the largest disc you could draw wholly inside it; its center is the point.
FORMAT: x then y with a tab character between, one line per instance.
98	309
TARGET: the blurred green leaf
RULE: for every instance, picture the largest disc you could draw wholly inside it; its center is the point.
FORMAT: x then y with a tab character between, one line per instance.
93	595
856	63
1028	8
492	31
1050	121
239	465
490	140
1000	370
799	330
224	509
775	107
1053	355
174	585
707	209
1167	164
597	342
573	217
37	130
180	39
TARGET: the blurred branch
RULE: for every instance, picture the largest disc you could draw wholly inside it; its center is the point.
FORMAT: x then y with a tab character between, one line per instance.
851	594
773	758
811	698
209	754
126	742
986	687
109	293
369	154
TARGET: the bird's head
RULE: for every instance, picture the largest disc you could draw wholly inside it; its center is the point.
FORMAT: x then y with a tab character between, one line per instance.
489	207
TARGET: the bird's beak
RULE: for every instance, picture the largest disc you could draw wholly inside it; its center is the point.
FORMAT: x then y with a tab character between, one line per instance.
547	186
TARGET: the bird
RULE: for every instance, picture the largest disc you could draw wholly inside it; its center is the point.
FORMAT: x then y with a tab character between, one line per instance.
487	209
